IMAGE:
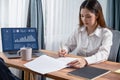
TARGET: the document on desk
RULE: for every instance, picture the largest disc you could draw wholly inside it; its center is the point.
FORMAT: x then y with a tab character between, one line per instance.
45	64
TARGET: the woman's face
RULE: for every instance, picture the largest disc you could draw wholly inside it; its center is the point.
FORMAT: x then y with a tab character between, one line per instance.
88	18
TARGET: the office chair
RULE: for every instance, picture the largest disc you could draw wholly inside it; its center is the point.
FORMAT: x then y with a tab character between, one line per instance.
115	47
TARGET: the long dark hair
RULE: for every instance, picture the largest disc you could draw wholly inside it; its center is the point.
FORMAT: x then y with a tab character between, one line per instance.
94	7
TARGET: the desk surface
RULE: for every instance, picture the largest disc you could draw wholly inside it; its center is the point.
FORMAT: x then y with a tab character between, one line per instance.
62	74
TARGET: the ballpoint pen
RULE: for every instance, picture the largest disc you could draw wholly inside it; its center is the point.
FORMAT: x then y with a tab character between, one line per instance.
61	45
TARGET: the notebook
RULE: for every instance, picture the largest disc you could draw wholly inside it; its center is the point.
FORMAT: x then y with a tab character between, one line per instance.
89	72
15	38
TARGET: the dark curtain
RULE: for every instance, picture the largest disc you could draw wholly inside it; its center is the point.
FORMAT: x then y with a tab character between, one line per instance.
35	19
113	17
113	14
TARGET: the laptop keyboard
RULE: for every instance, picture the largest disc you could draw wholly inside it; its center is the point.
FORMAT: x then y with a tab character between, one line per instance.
12	52
35	53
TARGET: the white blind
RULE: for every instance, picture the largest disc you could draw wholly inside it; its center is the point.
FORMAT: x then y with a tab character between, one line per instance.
18	11
13	13
61	17
3	13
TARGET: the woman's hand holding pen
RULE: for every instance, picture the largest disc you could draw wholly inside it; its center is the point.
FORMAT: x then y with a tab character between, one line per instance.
79	63
62	53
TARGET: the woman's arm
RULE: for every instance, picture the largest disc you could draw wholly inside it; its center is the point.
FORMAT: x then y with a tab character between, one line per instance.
103	51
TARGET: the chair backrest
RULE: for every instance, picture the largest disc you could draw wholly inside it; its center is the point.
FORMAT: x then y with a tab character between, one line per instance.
115	47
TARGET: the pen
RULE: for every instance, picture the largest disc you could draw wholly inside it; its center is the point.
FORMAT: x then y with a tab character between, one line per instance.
63	52
61	45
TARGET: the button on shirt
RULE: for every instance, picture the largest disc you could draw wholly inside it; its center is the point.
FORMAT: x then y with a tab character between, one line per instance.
94	47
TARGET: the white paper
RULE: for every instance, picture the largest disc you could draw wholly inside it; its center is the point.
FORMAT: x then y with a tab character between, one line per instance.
45	64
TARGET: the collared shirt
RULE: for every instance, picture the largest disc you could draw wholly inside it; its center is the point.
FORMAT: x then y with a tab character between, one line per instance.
95	47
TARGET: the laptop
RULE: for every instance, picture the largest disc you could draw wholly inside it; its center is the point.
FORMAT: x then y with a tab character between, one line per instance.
15	38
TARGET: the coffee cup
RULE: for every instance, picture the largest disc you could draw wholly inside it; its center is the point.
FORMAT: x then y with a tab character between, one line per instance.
25	53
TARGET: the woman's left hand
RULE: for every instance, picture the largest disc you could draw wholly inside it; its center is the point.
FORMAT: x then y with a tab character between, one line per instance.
79	63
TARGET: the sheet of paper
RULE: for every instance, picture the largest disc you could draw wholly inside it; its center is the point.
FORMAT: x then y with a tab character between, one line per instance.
45	64
66	60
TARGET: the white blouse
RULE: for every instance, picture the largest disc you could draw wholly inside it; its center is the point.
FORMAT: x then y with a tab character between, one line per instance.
94	47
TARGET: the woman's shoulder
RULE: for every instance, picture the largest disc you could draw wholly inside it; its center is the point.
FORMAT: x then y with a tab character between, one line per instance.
81	28
77	30
106	31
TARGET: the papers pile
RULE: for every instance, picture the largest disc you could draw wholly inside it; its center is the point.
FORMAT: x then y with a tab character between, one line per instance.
45	64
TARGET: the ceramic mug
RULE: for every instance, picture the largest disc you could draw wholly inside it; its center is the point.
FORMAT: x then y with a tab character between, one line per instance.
25	53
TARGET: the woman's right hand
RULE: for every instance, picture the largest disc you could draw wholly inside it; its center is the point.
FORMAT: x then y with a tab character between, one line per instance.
62	53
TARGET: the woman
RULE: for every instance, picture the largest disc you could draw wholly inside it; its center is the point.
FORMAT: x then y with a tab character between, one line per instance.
92	39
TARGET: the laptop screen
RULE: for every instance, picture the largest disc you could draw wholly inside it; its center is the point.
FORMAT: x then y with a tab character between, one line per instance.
15	38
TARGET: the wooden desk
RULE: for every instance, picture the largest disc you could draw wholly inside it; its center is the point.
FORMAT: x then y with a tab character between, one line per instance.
62	74
18	64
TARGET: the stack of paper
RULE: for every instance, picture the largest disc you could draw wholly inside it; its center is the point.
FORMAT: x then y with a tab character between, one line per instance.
45	64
